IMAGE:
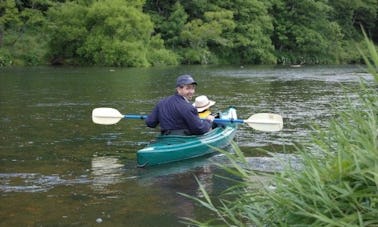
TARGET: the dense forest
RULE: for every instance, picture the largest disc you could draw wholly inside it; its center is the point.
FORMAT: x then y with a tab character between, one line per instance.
142	33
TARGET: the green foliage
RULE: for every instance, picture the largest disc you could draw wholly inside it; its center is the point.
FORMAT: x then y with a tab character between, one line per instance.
171	28
21	40
337	184
196	56
118	35
89	32
112	33
251	37
371	57
351	14
303	32
5	58
67	31
158	55
199	34
8	13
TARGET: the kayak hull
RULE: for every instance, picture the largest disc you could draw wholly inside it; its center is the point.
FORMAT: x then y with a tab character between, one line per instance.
172	148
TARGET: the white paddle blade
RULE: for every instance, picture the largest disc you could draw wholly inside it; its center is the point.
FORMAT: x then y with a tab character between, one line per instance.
106	116
265	122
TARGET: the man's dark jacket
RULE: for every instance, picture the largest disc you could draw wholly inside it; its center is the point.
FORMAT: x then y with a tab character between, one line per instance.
175	113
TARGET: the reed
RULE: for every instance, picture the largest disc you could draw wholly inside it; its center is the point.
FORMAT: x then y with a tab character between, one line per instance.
336	186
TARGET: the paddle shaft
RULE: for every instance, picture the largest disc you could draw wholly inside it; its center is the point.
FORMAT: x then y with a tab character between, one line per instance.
216	120
134	116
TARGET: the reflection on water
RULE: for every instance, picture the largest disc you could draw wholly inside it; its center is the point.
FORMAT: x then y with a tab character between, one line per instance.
202	168
205	179
108	171
151	174
105	172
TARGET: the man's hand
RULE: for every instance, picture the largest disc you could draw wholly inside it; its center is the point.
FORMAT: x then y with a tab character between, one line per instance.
210	118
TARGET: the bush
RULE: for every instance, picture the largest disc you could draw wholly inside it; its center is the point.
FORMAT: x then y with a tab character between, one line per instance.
158	55
5	58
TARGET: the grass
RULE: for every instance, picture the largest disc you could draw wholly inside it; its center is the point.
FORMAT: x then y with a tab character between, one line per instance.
337	185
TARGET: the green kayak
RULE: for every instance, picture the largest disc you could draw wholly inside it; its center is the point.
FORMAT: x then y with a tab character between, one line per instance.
172	148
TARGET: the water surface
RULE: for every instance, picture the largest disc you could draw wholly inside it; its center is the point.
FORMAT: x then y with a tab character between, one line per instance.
58	168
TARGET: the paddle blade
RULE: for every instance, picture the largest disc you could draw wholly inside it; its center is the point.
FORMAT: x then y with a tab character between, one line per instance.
106	116
265	122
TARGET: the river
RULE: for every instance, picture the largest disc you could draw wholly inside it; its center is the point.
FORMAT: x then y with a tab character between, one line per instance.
57	168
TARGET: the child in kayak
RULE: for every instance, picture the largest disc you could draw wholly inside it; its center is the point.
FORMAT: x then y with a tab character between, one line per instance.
203	104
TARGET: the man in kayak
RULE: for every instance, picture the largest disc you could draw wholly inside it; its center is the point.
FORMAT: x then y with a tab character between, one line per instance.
176	115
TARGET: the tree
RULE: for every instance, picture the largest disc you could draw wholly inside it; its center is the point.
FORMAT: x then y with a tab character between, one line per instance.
115	33
351	14
303	33
118	34
67	28
173	25
21	39
8	18
251	36
200	34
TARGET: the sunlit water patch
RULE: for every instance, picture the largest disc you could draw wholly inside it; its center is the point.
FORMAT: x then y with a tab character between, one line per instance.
34	182
104	172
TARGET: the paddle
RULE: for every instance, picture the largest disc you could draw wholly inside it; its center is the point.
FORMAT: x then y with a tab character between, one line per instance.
267	122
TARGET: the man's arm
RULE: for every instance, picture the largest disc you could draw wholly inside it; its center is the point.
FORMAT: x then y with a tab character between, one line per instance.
196	126
152	119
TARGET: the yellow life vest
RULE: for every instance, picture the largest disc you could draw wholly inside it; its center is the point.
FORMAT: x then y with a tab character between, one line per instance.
204	114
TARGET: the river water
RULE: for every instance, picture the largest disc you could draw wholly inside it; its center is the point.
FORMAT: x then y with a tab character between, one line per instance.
57	168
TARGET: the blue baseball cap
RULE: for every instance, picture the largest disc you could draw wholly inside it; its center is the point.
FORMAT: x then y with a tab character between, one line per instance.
185	80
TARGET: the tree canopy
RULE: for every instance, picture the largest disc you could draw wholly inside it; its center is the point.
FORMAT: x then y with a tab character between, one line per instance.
142	33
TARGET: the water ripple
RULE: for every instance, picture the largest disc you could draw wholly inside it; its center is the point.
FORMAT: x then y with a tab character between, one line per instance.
34	182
